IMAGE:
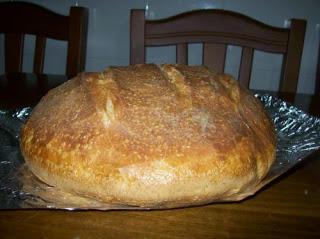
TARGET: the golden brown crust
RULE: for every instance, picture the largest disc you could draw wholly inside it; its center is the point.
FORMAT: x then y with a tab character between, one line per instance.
148	135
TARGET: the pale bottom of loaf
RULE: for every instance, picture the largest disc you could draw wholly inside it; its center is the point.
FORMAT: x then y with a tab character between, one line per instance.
188	191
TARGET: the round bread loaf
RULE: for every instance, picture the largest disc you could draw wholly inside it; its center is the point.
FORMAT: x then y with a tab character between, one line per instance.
149	136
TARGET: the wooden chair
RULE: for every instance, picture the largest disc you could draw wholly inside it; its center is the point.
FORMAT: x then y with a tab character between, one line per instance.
216	29
20	18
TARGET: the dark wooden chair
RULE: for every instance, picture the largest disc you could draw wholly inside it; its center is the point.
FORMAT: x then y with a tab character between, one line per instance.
20	18
217	29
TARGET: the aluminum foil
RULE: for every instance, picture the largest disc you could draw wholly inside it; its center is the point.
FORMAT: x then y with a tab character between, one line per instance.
298	135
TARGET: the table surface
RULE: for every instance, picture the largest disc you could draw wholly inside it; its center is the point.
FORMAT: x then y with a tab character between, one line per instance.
289	207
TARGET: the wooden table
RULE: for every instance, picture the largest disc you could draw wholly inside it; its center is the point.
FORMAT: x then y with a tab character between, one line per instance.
289	207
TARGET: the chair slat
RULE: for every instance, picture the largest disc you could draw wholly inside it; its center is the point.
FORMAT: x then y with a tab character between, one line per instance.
78	27
214	56
39	55
292	59
317	84
246	66
182	53
137	46
13	52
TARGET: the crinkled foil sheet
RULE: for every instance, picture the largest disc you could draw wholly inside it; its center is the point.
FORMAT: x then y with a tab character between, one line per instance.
298	135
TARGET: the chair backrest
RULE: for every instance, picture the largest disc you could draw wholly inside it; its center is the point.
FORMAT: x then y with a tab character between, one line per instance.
20	18
217	29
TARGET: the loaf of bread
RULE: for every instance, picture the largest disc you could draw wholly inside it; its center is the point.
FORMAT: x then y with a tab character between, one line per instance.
150	135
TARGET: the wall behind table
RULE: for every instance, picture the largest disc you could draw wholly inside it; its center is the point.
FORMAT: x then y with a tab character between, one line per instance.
108	35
